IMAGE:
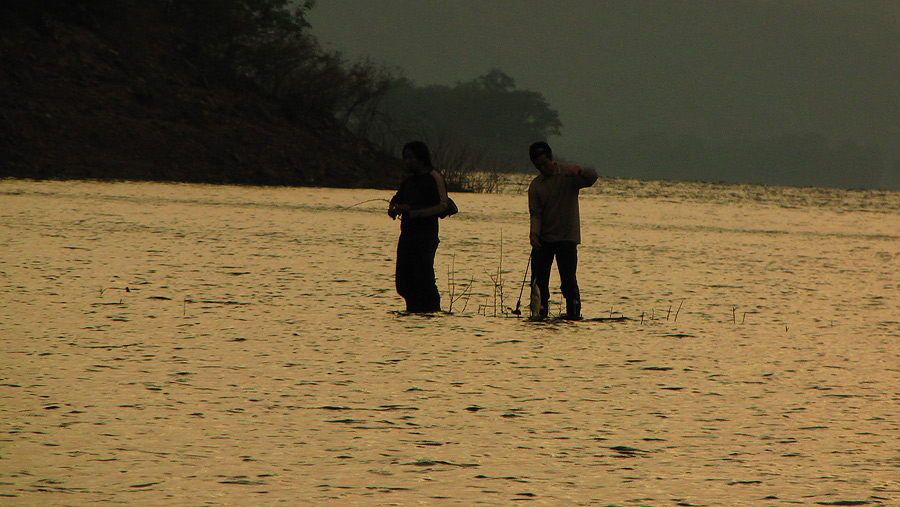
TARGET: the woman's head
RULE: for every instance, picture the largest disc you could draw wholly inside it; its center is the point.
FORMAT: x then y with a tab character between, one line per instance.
416	155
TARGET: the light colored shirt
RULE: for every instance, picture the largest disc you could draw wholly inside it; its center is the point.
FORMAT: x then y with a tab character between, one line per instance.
553	204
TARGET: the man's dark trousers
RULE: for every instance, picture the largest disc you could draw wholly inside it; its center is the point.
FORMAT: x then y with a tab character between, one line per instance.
566	254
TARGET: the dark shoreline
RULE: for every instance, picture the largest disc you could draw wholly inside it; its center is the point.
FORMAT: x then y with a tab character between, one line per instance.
75	105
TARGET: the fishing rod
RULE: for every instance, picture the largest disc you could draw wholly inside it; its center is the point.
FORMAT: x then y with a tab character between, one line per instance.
364	202
518	311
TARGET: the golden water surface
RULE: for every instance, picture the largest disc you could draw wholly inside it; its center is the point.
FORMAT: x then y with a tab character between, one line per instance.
172	344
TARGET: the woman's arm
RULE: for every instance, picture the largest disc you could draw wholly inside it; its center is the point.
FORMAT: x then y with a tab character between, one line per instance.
439	208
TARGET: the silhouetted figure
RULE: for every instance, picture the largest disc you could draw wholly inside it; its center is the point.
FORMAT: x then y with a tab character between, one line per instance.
421	200
555	227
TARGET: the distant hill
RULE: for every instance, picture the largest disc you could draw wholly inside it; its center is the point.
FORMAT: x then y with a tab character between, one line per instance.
78	104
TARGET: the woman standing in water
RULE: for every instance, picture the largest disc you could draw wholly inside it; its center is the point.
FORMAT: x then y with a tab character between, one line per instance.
419	203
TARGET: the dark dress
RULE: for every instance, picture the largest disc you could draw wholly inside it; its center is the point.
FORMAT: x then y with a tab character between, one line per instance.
427	197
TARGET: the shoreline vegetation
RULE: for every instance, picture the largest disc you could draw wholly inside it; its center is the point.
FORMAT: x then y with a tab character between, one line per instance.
166	91
239	92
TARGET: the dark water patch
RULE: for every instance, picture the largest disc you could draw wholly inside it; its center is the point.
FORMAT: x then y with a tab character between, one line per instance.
144	485
503	478
870	397
621	318
358	424
215	302
54	486
627	451
400	313
558	321
110	346
104	366
432	463
388	408
386	362
241	480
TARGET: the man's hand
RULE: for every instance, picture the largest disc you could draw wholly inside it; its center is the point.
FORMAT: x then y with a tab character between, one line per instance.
573	170
535	242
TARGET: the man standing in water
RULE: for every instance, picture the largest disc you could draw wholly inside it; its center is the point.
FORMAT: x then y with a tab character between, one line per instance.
422	198
555	226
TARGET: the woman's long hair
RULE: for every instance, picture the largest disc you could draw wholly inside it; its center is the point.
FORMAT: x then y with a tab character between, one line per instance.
420	150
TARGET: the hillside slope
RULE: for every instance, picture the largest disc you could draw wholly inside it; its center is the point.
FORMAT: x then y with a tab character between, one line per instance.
74	106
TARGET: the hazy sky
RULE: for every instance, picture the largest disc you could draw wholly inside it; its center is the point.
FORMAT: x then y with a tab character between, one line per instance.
710	68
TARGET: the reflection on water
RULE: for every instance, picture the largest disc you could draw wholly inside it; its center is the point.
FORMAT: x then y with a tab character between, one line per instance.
195	342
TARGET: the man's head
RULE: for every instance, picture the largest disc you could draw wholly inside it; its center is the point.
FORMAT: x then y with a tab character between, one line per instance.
542	157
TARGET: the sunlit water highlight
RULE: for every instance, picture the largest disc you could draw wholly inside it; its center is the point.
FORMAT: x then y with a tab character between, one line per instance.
193	344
